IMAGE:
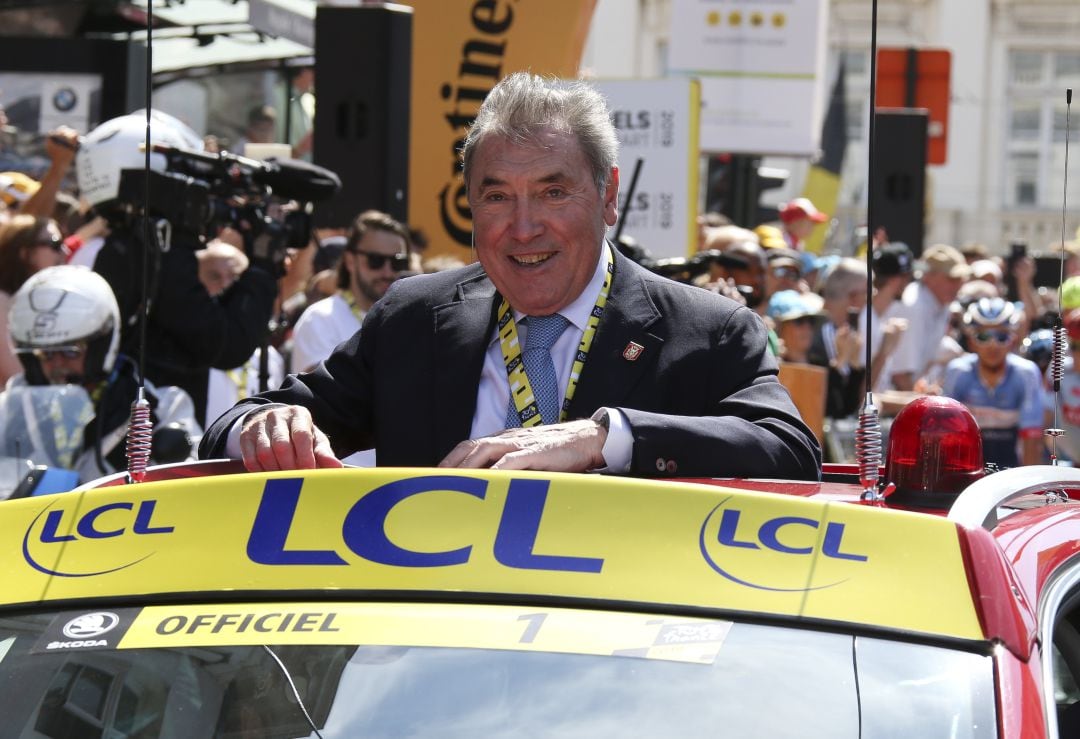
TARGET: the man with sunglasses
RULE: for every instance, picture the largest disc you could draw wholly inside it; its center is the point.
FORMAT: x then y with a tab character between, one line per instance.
555	352
376	253
784	272
1002	389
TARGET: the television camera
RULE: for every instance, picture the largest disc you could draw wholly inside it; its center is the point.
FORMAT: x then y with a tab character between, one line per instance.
686	269
268	202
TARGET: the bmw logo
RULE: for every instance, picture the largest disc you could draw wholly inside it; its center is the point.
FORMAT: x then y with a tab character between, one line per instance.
90	625
64	99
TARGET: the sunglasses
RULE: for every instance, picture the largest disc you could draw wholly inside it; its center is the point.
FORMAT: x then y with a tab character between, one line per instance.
788	272
398	262
801	321
54	244
1001	337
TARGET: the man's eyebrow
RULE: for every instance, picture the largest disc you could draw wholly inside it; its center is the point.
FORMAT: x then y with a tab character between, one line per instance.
492	181
557	176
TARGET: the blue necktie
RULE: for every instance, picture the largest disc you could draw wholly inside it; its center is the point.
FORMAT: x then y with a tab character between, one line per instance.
544	331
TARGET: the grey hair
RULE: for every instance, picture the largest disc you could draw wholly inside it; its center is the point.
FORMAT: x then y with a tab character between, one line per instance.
524	104
849	274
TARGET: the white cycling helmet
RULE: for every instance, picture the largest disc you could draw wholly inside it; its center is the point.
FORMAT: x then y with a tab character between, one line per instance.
114	146
60	307
986	312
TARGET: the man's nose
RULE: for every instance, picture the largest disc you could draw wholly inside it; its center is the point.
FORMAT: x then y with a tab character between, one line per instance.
525	224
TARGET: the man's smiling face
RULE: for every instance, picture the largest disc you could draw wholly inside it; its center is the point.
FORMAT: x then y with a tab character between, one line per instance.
538	218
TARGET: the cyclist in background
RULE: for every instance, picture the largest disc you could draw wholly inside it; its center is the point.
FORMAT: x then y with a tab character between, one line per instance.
1002	389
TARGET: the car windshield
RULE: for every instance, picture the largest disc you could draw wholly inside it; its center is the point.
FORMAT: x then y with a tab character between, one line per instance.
419	670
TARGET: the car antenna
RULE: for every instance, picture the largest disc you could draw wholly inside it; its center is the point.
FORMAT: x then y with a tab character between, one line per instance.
140	427
1057	357
868	432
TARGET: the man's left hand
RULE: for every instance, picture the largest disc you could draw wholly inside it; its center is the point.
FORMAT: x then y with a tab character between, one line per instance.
576	446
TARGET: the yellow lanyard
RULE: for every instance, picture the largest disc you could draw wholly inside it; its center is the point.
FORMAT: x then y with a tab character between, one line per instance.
347	296
525	402
239	378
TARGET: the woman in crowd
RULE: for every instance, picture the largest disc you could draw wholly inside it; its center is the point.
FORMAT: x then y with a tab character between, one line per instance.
27	244
795	315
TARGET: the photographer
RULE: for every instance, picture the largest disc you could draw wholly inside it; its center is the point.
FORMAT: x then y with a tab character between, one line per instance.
704	269
188	331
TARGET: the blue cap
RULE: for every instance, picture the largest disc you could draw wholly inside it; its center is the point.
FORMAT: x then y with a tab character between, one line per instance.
786	305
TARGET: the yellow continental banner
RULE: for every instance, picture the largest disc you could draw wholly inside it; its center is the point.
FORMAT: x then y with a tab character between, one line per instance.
518	628
372	532
461	48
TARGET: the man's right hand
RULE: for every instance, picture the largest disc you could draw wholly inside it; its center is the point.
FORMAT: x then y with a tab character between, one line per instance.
892	330
284	438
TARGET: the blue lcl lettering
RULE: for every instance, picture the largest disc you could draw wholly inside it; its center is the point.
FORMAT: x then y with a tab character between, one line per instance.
88	527
770	531
365	525
834	536
729	525
266	543
769	534
519	527
52	523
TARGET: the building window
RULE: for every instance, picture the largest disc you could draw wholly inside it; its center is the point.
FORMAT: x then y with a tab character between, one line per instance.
1022	176
1035	126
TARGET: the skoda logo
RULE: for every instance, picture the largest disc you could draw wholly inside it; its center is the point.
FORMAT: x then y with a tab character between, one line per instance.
90	625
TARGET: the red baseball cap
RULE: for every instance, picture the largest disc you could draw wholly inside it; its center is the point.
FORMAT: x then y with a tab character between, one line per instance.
801	208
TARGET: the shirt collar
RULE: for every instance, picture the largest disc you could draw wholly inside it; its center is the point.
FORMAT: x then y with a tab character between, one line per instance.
581	308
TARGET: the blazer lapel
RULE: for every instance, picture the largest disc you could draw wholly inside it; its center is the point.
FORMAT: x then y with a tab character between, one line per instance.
462	329
624	350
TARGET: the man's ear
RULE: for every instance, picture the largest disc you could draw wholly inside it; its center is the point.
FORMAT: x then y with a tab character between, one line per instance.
611	198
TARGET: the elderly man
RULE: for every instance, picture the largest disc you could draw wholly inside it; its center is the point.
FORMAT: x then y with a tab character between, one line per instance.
554	352
925	305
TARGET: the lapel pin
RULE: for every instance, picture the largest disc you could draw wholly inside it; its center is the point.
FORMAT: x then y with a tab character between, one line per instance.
632	351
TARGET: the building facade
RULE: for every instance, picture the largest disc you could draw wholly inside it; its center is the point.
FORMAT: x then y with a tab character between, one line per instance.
1012	61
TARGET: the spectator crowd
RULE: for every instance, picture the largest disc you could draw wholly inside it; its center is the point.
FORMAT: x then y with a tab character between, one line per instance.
951	321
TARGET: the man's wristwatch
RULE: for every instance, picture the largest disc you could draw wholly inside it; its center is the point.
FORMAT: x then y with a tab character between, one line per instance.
601	417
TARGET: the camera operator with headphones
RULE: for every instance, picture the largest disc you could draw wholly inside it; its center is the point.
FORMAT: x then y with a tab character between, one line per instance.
188	331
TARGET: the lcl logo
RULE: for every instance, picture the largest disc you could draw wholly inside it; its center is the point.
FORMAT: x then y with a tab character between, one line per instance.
750	552
102	522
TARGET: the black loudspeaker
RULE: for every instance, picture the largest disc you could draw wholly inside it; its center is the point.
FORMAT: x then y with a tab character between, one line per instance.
363	71
899	186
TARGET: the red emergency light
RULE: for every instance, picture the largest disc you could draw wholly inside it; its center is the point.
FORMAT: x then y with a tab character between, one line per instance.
935	451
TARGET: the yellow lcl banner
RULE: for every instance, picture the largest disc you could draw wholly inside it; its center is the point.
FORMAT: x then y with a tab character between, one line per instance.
521	536
460	50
